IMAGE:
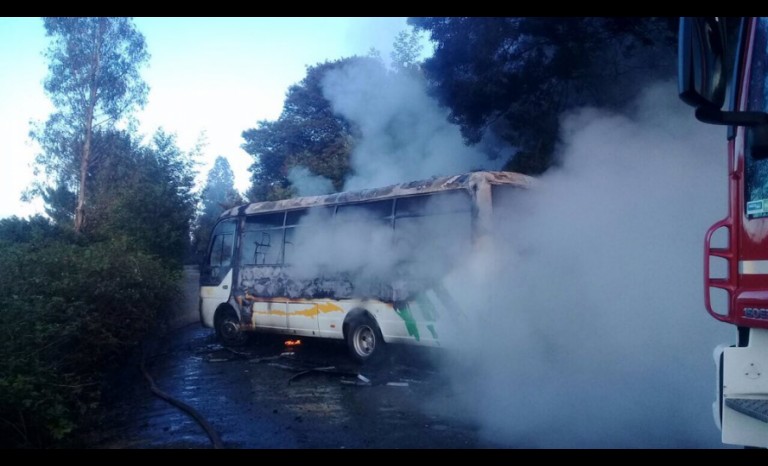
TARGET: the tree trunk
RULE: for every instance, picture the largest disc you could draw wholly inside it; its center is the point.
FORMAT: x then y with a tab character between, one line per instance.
85	160
80	209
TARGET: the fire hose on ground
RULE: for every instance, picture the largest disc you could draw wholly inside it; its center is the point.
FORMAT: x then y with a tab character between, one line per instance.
192	412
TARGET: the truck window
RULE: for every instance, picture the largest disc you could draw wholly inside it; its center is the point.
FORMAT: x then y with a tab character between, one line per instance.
756	171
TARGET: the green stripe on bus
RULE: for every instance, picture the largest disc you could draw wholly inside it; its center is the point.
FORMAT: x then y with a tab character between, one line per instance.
404	312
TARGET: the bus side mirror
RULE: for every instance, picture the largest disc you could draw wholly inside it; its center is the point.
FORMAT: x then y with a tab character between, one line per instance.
701	75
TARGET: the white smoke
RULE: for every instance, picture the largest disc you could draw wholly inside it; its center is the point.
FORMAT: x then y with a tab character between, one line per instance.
352	243
587	326
405	134
360	243
590	329
307	183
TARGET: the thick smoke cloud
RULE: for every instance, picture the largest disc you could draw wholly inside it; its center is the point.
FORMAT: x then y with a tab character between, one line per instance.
405	134
357	253
308	184
589	323
586	320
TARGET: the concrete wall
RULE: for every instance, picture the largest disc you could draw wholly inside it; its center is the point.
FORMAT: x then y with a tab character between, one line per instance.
185	309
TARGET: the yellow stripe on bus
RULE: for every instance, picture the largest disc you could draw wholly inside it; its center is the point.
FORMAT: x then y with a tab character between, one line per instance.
309	312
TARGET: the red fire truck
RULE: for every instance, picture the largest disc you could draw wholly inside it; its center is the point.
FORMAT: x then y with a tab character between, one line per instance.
723	73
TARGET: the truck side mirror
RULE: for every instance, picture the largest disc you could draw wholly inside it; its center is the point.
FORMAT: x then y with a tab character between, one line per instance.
701	68
701	80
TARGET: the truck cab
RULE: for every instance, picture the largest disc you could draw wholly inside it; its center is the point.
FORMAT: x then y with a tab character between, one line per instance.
723	73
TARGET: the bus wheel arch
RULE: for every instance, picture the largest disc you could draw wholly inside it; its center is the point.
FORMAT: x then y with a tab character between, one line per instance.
226	323
363	336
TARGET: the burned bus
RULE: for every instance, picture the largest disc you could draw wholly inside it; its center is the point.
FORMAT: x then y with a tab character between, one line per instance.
363	266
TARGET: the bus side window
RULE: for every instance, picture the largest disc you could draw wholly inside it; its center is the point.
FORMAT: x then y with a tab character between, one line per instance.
366	212
262	242
290	235
433	228
305	220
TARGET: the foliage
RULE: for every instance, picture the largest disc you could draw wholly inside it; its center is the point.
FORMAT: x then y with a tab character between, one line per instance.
70	309
74	301
93	82
143	193
219	194
406	50
72	305
35	229
308	133
514	77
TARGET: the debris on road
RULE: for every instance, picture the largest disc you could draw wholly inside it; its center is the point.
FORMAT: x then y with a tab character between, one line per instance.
239	353
329	370
285	366
354	382
411	380
264	358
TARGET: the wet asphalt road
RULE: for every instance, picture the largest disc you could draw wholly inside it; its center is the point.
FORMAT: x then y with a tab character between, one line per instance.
266	395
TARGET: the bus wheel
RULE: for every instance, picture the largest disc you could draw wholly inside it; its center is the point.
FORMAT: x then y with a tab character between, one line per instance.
364	339
228	329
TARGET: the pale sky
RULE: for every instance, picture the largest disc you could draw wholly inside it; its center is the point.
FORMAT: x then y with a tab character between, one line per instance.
214	75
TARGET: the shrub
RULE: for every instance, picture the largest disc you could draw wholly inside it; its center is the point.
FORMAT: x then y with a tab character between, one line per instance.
68	311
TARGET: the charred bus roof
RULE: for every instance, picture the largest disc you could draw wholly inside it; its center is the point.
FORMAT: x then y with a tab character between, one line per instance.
466	181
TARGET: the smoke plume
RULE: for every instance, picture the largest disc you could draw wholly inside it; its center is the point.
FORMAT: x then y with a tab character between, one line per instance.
405	134
308	184
586	320
589	323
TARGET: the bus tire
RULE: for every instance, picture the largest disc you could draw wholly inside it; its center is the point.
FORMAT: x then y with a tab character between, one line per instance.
364	339
228	330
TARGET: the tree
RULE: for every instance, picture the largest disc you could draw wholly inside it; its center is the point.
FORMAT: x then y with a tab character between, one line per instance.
513	77
308	133
71	311
82	301
406	50
143	193
219	194
93	82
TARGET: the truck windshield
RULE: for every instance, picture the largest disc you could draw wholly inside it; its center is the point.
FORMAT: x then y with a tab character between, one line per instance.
756	171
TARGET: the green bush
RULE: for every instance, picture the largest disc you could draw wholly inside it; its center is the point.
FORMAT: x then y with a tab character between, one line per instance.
68	311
